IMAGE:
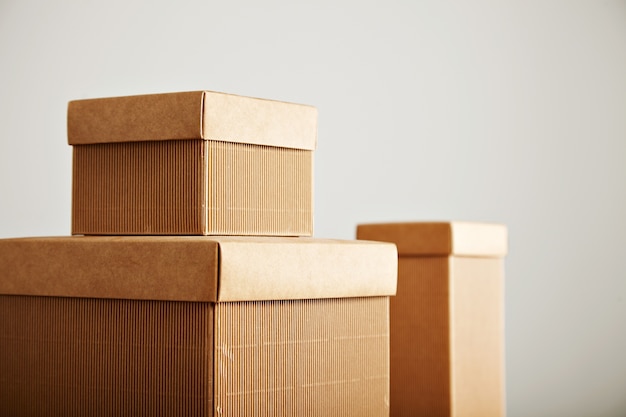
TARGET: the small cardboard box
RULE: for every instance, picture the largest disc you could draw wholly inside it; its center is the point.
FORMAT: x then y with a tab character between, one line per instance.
194	163
194	326
447	324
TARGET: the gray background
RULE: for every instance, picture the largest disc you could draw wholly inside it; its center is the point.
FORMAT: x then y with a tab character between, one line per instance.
511	112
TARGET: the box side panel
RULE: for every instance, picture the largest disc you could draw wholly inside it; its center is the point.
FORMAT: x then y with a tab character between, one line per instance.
419	347
259	190
138	188
78	357
302	358
477	336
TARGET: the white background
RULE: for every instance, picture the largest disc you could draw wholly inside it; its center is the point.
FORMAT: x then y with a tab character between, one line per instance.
511	112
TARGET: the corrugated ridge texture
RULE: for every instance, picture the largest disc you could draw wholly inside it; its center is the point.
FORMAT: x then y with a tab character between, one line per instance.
477	337
180	188
99	357
419	344
302	358
259	190
138	188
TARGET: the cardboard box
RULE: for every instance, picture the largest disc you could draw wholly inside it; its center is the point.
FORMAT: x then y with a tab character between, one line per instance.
194	326
447	324
195	163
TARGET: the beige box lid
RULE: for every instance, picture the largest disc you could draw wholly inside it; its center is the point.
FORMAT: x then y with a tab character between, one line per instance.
196	268
440	238
204	115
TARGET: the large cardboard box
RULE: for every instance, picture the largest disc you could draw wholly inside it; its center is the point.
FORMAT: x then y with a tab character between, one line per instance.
194	326
447	331
194	163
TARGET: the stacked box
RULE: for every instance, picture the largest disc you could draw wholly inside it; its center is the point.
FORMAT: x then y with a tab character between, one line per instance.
195	288
194	326
447	325
196	163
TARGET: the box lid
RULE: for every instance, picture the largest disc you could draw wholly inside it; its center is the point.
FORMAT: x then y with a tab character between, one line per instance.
440	238
204	115
196	268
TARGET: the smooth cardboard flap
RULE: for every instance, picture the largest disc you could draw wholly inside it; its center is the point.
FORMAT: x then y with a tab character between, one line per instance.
440	238
196	268
297	268
135	118
164	268
203	115
232	118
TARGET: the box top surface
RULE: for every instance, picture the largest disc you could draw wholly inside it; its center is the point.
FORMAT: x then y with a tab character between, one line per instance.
196	268
440	238
204	115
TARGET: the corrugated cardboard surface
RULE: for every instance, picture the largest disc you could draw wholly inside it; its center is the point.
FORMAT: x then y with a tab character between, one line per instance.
138	188
196	268
191	187
192	115
78	356
447	332
420	339
91	357
258	190
303	358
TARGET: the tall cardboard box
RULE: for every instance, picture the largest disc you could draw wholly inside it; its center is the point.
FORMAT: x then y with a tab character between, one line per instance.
193	163
447	324
194	326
